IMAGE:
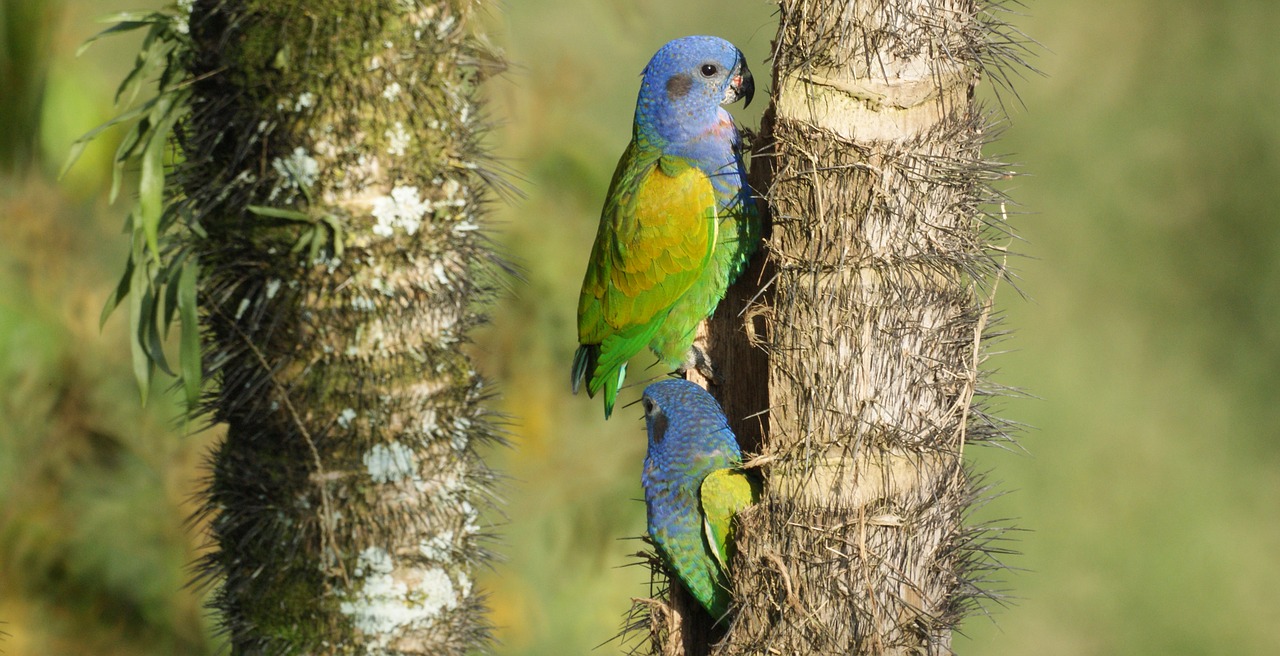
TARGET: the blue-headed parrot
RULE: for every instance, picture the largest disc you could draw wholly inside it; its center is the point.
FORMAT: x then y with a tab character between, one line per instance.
679	221
694	486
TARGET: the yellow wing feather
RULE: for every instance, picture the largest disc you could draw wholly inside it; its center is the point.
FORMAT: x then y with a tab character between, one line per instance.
662	238
724	493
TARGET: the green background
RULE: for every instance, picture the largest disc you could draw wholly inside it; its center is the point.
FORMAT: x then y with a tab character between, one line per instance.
1147	343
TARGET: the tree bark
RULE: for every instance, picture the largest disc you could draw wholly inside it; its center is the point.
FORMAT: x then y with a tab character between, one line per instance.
861	334
345	501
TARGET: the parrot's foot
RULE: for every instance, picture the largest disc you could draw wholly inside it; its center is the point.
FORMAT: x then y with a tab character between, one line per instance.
697	360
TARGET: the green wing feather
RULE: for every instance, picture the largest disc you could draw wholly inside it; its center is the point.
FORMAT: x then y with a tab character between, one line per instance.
725	493
657	233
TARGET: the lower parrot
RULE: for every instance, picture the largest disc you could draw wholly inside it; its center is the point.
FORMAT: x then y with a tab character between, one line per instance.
693	488
679	222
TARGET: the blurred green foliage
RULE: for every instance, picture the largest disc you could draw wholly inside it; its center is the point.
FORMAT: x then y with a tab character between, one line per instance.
1149	155
26	29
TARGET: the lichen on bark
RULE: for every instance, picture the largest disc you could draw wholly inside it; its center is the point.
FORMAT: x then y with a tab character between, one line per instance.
333	167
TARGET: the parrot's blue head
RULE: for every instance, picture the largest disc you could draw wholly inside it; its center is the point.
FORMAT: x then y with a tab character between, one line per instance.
686	82
681	416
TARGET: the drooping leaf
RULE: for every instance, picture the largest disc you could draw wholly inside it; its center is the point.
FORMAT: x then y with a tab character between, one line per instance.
77	148
123	26
151	184
159	278
335	227
170	286
138	285
148	56
123	153
280	213
145	16
148	334
118	294
189	350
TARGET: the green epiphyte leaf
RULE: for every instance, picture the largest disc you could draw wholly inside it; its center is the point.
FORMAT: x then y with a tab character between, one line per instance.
118	294
189	350
138	285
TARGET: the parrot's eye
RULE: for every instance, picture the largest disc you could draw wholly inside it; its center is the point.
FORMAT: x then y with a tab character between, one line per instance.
647	405
709	69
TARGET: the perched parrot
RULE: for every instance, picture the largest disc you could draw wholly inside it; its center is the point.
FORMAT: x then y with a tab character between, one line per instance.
693	488
679	222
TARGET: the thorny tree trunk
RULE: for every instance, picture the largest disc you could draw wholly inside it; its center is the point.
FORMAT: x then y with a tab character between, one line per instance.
345	500
866	343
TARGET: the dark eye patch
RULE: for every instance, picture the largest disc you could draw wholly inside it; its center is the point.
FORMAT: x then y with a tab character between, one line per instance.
678	86
709	69
658	426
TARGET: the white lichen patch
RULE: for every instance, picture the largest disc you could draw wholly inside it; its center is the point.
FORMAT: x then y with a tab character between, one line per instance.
346	417
429	423
326	148
453	194
368	167
273	286
445	26
392	91
398	139
330	264
403	208
306	100
461	433
384	604
182	22
438	270
297	171
438	547
388	463
472	515
464	584
446	487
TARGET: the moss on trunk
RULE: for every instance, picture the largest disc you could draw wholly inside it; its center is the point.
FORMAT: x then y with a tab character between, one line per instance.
346	497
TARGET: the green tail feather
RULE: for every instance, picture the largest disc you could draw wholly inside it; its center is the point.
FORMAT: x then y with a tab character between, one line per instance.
604	366
586	366
611	386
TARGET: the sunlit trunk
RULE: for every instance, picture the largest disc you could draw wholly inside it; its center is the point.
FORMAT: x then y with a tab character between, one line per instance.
865	336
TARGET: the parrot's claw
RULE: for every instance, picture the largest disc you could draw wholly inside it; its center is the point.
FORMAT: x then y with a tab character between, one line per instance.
697	360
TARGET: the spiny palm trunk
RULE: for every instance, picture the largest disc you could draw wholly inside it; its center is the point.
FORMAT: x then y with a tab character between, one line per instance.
345	499
871	320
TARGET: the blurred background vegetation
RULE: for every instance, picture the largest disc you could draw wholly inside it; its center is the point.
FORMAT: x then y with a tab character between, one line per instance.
1150	152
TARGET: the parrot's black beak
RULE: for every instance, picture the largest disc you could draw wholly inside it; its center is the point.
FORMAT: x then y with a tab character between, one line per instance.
742	83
